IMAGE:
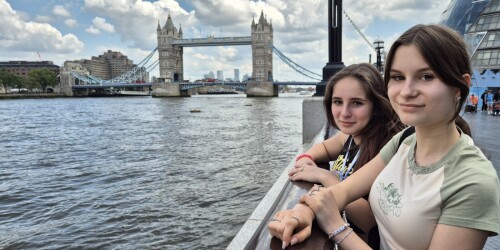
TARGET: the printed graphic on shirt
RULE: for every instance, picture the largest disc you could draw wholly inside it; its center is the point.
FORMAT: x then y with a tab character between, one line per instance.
390	199
340	167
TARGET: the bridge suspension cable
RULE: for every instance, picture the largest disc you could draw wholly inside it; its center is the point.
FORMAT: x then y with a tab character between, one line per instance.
358	30
294	65
137	72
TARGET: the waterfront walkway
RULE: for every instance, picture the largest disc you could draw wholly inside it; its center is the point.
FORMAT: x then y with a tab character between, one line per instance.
283	195
485	132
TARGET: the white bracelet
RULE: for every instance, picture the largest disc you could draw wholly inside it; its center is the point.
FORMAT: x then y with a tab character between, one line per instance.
338	230
345	236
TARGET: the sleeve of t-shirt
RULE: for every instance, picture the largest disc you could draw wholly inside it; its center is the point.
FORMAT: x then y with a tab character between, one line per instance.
471	198
388	151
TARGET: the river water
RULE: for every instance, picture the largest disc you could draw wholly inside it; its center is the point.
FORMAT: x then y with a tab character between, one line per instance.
139	172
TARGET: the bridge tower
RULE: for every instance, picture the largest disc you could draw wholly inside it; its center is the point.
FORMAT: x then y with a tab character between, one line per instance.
262	59
262	53
171	69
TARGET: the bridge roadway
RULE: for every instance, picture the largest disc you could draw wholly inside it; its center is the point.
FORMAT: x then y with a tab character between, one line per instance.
188	85
213	41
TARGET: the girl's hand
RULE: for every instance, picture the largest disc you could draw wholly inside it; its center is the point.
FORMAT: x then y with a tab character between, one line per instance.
292	226
306	170
322	202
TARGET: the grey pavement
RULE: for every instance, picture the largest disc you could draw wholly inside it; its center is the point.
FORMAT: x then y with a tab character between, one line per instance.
485	132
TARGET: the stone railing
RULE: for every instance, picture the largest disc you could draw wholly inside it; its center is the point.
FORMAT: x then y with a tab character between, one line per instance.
284	194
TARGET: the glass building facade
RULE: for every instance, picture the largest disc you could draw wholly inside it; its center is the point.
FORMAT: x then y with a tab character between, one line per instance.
479	23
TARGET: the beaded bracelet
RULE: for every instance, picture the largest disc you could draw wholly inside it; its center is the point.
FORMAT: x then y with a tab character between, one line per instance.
338	230
304	155
343	237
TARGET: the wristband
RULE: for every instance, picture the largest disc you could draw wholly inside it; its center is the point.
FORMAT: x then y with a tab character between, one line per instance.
304	155
338	230
343	237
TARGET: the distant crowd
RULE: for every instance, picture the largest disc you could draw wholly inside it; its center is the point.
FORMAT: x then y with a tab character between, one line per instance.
490	102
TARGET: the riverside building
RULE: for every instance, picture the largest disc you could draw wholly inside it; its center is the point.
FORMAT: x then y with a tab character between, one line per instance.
22	68
479	23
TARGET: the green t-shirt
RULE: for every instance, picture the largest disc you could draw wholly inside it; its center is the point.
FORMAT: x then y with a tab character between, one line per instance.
408	201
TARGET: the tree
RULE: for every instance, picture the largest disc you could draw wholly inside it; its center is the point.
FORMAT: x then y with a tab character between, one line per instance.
11	80
42	78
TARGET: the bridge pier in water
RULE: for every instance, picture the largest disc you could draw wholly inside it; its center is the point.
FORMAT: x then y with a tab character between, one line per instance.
261	89
166	89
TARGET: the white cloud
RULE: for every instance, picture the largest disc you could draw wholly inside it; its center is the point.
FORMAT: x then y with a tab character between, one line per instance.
44	19
300	27
92	30
70	23
16	34
101	24
59	10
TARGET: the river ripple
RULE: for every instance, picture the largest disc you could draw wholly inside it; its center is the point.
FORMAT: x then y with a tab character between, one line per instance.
141	172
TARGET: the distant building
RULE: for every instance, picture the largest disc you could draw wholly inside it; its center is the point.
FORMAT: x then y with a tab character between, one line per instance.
246	77
236	75
479	23
220	75
109	65
211	75
72	66
22	68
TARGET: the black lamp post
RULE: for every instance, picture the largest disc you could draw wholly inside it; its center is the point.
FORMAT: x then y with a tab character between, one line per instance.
334	63
379	47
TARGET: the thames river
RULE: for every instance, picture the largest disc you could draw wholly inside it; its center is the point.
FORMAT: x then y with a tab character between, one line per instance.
139	172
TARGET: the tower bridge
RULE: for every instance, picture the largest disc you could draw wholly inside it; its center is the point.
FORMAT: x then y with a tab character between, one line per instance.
170	49
171	81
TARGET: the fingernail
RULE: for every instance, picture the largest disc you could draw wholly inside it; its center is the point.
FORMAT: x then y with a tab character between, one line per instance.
293	241
284	245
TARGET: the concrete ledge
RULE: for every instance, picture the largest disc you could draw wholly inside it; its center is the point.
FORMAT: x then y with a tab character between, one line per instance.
283	194
313	117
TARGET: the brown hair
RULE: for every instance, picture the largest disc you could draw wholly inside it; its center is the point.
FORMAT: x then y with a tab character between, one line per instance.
384	123
446	54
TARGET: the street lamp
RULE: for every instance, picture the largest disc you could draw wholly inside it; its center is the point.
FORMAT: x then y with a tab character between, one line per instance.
334	63
379	47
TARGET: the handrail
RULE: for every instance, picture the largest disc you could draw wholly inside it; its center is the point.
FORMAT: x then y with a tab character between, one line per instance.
284	194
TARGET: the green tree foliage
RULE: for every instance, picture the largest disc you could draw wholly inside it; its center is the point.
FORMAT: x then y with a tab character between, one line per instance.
10	80
41	78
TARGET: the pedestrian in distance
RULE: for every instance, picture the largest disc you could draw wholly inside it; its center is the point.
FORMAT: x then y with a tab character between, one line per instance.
357	105
473	103
436	190
484	107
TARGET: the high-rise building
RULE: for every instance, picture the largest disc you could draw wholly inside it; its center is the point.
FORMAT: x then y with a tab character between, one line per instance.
479	23
236	75
211	75
220	75
110	65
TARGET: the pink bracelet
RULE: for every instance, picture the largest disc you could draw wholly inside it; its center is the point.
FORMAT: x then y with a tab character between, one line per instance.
304	155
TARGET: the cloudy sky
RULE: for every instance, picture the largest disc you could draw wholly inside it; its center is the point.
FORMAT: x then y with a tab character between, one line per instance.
60	30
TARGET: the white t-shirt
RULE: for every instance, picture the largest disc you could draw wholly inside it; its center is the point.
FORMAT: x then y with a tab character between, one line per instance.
408	201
